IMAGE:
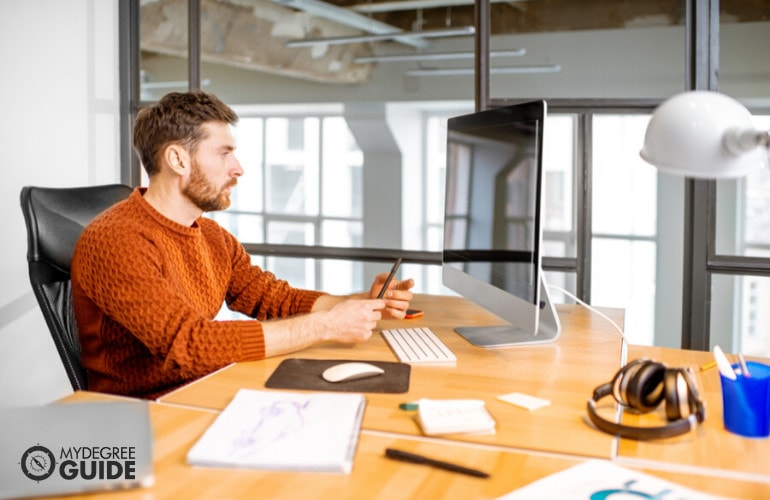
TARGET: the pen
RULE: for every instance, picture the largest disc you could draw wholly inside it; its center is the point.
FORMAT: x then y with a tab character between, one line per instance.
419	459
744	367
389	278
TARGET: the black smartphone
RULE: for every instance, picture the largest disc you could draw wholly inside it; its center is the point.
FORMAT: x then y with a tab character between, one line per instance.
389	278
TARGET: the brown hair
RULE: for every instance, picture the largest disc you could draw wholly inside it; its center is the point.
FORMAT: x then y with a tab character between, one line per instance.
176	118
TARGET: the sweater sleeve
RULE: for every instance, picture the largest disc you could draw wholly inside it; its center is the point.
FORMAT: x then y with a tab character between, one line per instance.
258	293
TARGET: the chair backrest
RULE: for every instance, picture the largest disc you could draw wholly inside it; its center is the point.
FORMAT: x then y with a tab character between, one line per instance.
55	217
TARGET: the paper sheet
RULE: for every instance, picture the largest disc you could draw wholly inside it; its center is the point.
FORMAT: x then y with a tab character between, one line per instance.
598	480
524	400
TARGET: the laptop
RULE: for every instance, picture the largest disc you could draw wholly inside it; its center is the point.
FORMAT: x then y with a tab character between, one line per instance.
74	448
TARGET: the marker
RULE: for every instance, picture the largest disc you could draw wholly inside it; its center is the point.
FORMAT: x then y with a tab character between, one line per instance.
409	406
725	368
389	278
405	456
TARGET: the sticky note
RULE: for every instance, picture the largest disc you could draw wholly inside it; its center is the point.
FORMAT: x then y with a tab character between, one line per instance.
524	400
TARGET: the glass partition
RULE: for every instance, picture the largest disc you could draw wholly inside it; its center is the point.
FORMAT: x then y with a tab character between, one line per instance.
164	51
743	211
740	318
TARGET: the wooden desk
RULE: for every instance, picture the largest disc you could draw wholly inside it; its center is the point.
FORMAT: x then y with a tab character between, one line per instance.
564	372
587	354
710	446
176	428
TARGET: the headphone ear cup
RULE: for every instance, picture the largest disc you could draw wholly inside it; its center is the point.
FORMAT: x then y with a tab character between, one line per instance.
622	380
681	396
646	390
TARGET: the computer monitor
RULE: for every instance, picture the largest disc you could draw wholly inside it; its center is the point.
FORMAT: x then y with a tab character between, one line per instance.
492	223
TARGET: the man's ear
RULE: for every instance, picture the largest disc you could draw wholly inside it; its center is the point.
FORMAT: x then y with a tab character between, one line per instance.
177	158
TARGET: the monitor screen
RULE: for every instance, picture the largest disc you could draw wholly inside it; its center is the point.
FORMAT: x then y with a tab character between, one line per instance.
492	219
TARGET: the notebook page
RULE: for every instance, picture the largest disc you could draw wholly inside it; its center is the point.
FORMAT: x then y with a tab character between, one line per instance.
279	430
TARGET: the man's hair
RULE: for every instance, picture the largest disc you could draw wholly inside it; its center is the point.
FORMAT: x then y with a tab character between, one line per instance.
176	119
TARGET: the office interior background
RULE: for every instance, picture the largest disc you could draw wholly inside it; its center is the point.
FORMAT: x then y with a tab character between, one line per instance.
350	154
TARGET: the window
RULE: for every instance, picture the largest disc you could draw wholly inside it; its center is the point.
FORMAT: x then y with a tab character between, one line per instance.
624	223
743	221
559	164
302	185
287	201
739	322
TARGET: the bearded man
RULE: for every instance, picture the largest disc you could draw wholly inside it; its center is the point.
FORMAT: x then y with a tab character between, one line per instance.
150	274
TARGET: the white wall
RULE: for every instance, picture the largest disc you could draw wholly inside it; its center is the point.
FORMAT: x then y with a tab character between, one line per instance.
59	95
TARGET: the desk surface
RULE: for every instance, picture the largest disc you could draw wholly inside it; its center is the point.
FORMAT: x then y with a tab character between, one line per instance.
176	429
710	445
526	447
564	372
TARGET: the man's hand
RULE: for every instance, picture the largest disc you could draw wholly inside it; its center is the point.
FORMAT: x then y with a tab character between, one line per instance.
352	321
396	298
337	319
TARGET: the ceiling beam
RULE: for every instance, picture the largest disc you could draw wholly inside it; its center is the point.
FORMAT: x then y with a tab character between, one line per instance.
352	19
402	5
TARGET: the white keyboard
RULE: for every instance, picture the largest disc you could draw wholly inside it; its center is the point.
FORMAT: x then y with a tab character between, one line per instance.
418	345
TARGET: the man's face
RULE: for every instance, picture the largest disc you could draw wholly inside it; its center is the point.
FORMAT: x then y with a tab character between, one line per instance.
214	169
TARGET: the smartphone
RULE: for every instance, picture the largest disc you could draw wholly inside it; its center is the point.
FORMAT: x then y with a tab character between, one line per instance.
389	278
413	313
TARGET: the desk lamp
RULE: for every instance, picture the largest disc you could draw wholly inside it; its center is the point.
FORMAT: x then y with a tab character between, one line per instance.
705	135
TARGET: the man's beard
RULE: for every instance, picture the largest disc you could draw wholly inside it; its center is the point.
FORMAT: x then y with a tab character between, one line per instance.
204	194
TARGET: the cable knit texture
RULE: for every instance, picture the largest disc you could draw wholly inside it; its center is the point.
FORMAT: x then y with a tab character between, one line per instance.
147	290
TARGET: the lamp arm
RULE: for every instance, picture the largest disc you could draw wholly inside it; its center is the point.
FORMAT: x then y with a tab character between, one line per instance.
764	139
737	141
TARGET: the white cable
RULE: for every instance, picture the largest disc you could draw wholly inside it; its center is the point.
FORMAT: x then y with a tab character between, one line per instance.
623	343
584	304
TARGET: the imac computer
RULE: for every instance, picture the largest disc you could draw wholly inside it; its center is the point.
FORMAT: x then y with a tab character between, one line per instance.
492	223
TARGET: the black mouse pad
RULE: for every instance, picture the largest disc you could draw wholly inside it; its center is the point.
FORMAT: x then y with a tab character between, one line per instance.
297	373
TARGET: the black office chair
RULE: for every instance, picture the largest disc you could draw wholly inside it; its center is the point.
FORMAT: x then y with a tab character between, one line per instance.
55	217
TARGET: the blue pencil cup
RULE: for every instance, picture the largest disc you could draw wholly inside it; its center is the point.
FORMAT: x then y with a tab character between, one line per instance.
746	401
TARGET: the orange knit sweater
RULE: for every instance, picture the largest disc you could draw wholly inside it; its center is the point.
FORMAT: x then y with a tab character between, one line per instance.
146	291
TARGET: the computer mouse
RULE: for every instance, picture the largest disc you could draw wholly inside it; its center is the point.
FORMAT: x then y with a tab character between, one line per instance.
351	370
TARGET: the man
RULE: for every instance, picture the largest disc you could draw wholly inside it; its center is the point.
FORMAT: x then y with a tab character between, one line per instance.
150	274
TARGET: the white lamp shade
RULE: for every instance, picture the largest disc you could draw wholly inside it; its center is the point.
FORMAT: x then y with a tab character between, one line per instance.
703	134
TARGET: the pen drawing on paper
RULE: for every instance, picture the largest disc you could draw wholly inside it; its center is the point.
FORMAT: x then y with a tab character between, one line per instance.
283	431
274	422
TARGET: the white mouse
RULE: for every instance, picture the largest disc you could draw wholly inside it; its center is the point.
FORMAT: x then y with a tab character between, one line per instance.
351	370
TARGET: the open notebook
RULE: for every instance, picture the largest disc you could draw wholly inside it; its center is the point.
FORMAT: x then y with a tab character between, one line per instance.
278	430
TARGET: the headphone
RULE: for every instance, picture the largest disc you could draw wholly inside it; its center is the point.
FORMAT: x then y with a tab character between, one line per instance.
641	386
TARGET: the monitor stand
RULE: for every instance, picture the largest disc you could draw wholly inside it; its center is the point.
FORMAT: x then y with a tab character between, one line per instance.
548	328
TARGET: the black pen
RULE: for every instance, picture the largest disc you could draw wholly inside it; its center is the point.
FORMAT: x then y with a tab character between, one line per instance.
419	459
389	278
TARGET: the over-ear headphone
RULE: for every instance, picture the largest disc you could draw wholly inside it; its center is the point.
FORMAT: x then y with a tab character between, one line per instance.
641	386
